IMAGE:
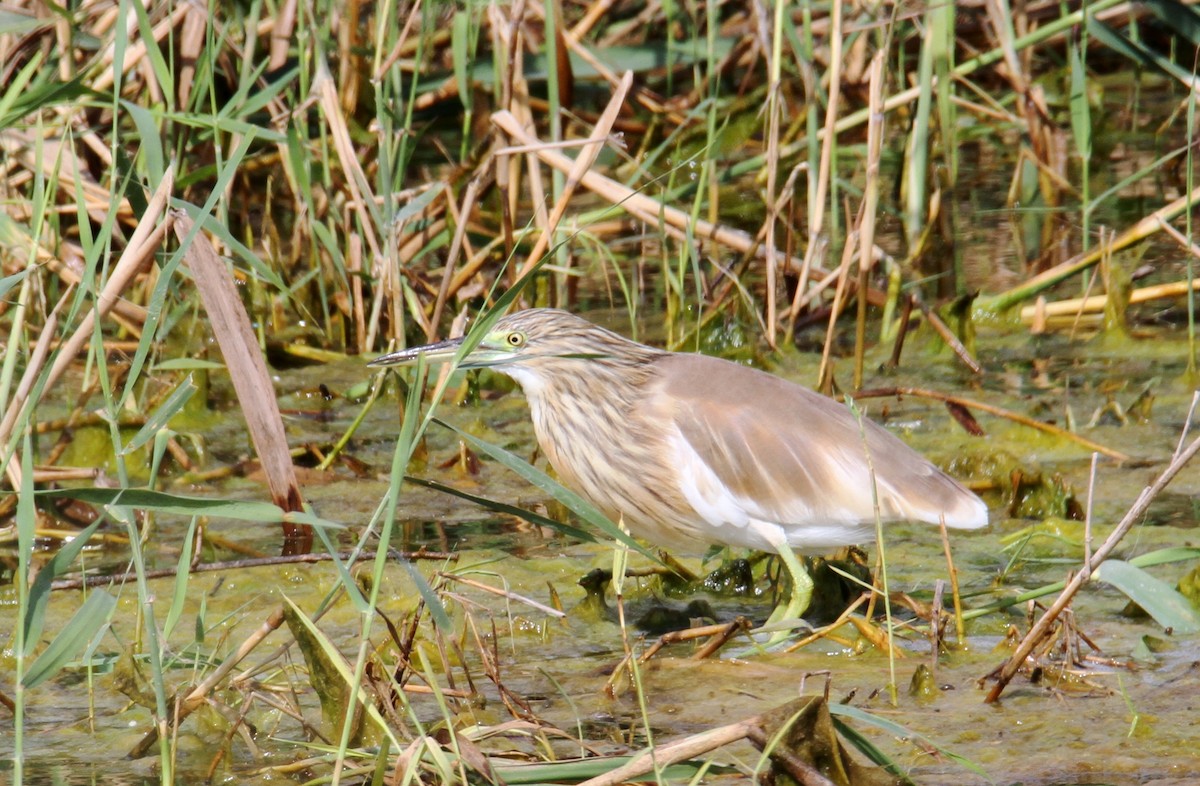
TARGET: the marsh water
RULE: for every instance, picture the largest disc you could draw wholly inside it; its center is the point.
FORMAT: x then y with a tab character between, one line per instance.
1126	716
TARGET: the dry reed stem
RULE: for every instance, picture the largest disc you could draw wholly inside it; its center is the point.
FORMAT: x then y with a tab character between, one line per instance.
1094	304
16	406
281	34
461	217
638	204
870	208
356	181
665	755
145	239
825	371
720	632
247	370
816	209
136	51
583	163
947	335
960	631
993	410
59	161
1043	627
191	43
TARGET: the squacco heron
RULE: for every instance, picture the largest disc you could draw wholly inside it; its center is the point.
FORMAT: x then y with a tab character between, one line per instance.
690	450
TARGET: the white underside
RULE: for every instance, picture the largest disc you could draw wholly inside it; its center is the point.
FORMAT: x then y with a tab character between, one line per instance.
737	521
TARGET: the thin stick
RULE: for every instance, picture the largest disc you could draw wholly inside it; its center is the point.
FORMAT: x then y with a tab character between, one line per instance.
682	750
960	633
503	593
943	330
1087	519
196	698
994	410
587	156
866	259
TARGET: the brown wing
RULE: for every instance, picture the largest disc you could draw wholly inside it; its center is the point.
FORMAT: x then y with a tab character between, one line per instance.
779	453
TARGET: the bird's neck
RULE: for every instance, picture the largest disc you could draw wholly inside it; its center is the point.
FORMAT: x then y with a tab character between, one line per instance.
583	402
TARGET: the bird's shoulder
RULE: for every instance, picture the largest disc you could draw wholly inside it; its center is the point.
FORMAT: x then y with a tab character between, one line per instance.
724	389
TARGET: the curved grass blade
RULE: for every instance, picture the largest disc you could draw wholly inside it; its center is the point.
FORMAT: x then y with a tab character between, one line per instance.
90	618
162	502
440	618
182	574
577	504
500	507
180	396
1157	598
903	732
39	592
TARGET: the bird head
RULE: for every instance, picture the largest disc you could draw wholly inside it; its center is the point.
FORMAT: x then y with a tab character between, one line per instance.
537	338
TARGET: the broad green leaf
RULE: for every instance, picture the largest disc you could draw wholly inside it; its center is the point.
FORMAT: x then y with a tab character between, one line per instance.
1159	599
19	24
178	504
1137	51
1164	556
1081	118
90	618
459	43
151	147
1180	19
343	668
39	592
440	618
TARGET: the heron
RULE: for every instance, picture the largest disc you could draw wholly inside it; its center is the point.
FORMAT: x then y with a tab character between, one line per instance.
690	450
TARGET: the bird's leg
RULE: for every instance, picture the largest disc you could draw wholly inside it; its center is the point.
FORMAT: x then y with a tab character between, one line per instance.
800	596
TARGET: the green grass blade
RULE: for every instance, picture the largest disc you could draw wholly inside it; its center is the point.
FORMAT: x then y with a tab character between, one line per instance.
1137	51
1157	598
1164	556
577	504
182	574
39	593
170	407
902	732
441	618
8	282
178	504
90	618
500	507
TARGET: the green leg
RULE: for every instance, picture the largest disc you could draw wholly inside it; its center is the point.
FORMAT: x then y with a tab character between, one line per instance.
800	597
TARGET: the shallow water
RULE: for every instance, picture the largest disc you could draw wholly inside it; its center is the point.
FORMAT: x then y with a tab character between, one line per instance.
1128	717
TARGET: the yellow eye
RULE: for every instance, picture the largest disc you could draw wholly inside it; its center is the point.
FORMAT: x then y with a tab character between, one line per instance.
515	339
